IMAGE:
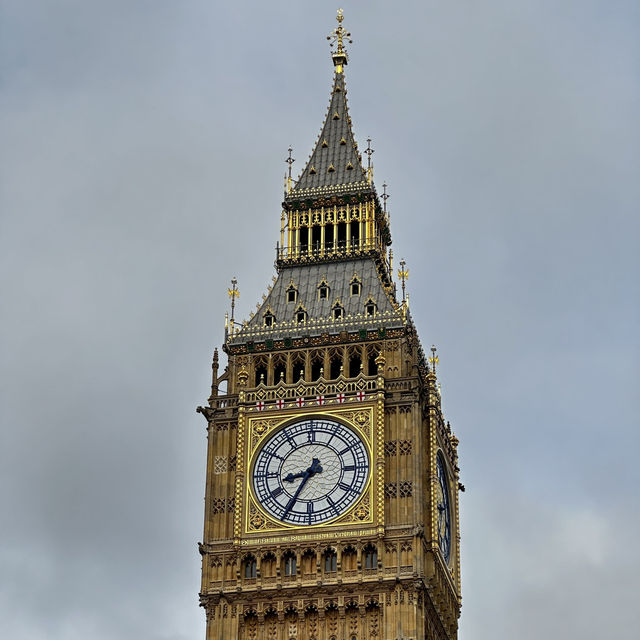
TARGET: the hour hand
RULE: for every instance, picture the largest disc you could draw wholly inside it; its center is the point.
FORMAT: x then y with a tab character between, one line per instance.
290	477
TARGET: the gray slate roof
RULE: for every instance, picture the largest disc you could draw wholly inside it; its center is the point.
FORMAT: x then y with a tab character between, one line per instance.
306	279
331	151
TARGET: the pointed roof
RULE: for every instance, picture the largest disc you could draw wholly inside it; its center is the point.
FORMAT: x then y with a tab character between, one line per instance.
335	161
335	165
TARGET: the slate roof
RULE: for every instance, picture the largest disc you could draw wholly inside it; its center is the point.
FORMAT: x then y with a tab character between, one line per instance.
306	278
335	164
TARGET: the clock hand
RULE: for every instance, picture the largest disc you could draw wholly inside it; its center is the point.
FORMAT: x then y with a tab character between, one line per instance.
291	502
291	476
311	471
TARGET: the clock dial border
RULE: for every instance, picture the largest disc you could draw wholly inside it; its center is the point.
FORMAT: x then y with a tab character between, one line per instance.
348	467
364	512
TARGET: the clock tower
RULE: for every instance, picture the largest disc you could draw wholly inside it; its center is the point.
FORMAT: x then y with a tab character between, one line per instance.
331	500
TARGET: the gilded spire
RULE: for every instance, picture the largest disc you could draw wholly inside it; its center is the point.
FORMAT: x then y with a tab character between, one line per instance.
338	37
335	165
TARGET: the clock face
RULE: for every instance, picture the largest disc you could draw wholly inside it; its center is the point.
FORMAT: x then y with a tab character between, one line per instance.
310	471
444	510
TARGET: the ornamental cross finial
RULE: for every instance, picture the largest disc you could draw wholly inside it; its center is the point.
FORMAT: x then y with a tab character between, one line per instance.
369	151
385	196
233	294
433	359
338	37
403	274
290	160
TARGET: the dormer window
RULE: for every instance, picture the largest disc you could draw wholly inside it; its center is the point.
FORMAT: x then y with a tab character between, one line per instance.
301	315
370	308
323	290
292	293
338	311
269	319
355	286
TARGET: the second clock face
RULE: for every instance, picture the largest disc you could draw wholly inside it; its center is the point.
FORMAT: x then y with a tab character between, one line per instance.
310	471
444	510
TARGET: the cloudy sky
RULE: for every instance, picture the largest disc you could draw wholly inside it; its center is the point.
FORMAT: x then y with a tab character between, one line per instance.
141	168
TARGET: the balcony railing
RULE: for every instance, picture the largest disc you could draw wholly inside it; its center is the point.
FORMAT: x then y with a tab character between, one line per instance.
330	251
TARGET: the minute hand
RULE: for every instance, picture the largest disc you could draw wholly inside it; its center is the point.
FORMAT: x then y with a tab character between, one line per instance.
305	477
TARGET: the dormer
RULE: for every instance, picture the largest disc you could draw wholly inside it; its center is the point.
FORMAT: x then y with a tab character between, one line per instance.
323	289
292	292
355	285
370	308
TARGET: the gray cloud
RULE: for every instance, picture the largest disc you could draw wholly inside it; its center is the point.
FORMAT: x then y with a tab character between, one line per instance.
142	168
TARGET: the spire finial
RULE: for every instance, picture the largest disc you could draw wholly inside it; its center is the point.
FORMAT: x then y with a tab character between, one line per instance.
385	196
290	160
338	37
369	151
233	294
433	359
403	274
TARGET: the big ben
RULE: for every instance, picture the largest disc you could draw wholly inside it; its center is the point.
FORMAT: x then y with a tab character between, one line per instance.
331	500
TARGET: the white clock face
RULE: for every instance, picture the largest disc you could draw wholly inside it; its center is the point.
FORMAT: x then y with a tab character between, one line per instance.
311	471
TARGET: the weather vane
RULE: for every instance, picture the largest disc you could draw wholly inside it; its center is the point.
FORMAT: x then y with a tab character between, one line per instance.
433	359
338	37
233	294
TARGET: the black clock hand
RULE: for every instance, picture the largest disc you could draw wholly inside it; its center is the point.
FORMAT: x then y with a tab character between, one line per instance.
313	469
305	475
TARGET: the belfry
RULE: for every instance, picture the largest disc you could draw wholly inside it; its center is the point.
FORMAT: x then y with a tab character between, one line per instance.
331	500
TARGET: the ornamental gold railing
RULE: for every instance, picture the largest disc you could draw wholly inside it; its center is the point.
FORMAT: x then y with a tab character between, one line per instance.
349	322
321	387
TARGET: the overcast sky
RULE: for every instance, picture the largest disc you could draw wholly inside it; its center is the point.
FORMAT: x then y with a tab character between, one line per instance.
142	163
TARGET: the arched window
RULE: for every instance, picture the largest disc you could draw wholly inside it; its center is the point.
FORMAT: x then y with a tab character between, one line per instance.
317	367
349	559
250	567
268	566
261	373
280	371
290	564
370	557
330	561
355	364
335	366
